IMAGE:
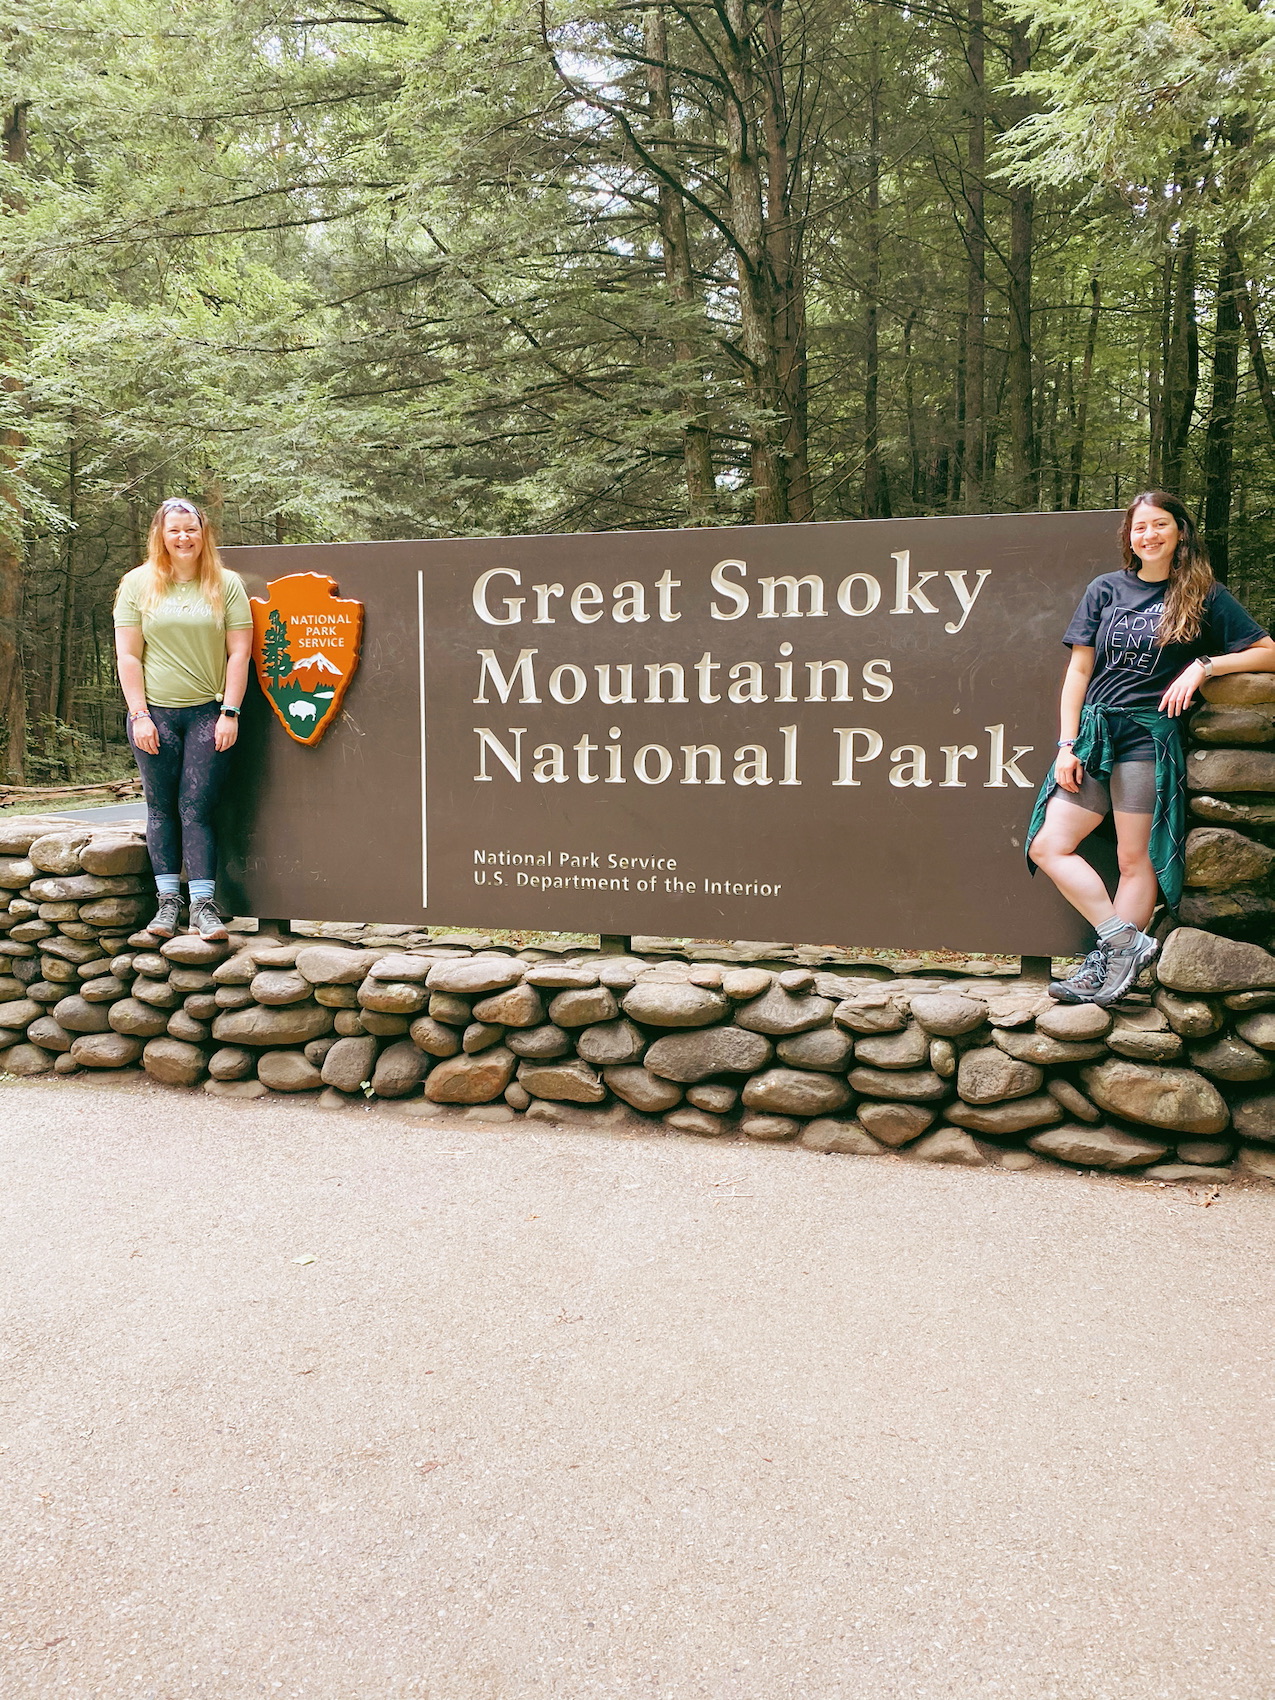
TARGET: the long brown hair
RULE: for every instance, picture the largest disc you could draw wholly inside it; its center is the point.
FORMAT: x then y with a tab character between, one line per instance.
160	574
1190	575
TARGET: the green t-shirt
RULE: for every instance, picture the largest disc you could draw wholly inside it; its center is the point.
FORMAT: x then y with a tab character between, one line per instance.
183	641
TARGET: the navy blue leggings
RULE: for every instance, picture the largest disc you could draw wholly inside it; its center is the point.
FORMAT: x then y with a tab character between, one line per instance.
182	784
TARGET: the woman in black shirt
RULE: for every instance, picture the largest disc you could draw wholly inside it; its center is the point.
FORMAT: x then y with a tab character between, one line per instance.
1143	641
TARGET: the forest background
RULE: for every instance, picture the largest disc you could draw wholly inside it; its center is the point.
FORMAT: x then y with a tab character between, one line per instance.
425	268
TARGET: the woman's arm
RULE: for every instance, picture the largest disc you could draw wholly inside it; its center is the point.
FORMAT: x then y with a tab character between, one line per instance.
1067	770
128	660
238	650
1259	659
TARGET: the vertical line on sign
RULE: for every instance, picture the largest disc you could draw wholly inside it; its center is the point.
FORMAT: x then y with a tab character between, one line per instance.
420	638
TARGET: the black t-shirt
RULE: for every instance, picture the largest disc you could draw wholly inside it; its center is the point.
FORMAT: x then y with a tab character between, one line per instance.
1119	614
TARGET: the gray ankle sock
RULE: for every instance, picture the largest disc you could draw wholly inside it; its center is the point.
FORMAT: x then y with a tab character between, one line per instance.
1116	934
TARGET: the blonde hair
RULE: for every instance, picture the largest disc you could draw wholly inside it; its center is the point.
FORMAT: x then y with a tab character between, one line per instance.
159	566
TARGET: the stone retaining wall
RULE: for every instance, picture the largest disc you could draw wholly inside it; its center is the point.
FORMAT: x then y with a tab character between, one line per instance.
1178	1082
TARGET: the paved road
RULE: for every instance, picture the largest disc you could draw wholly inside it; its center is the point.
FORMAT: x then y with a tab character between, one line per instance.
134	813
562	1414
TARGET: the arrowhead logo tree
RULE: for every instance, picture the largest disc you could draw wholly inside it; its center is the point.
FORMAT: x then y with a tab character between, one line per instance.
305	643
276	657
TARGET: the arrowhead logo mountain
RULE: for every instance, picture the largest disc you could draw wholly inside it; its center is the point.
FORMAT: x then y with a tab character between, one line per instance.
305	643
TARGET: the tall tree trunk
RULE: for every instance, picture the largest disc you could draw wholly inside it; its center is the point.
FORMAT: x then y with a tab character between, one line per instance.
1019	301
909	401
13	689
958	410
62	700
785	249
1252	334
697	449
1082	400
99	681
1155	377
994	418
876	490
756	296
1181	367
976	263
1051	437
1220	436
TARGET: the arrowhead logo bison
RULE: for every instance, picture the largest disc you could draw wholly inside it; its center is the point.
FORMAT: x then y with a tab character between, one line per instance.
305	642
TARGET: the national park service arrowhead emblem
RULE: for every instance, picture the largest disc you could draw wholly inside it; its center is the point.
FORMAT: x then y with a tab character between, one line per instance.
305	642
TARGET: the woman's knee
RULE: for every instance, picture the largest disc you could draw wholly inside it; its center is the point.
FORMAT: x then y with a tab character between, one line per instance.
1132	862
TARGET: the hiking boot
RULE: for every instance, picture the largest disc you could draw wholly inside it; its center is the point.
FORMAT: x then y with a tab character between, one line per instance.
167	917
206	920
1123	967
1088	979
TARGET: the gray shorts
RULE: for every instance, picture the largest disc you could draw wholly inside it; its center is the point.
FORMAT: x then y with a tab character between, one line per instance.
1130	790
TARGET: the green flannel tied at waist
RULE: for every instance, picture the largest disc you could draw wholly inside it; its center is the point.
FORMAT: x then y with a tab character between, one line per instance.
1093	750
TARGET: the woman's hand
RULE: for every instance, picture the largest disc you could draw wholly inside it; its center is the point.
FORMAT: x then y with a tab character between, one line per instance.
145	734
226	732
1177	699
1068	771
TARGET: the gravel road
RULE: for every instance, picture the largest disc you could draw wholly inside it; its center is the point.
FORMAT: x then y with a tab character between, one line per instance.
355	1407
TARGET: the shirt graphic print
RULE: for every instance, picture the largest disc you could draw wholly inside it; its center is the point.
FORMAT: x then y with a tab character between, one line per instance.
1131	644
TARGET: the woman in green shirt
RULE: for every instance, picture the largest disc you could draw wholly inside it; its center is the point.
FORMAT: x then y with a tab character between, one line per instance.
183	634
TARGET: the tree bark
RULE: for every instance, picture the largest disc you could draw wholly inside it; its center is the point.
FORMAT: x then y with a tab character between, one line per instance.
697	449
1220	434
1155	377
785	248
1252	335
876	489
1026	449
62	701
1082	400
1181	368
756	298
909	401
13	696
1050	451
975	454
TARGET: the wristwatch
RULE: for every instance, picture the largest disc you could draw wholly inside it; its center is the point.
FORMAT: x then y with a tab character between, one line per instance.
1206	661
232	712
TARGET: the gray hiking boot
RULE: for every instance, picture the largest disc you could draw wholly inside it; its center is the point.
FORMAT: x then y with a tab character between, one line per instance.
1123	967
167	917
206	920
1088	979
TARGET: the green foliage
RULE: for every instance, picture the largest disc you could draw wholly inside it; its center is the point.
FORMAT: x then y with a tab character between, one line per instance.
398	269
1137	91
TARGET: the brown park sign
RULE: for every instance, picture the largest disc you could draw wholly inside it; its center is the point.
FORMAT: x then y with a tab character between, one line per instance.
826	733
